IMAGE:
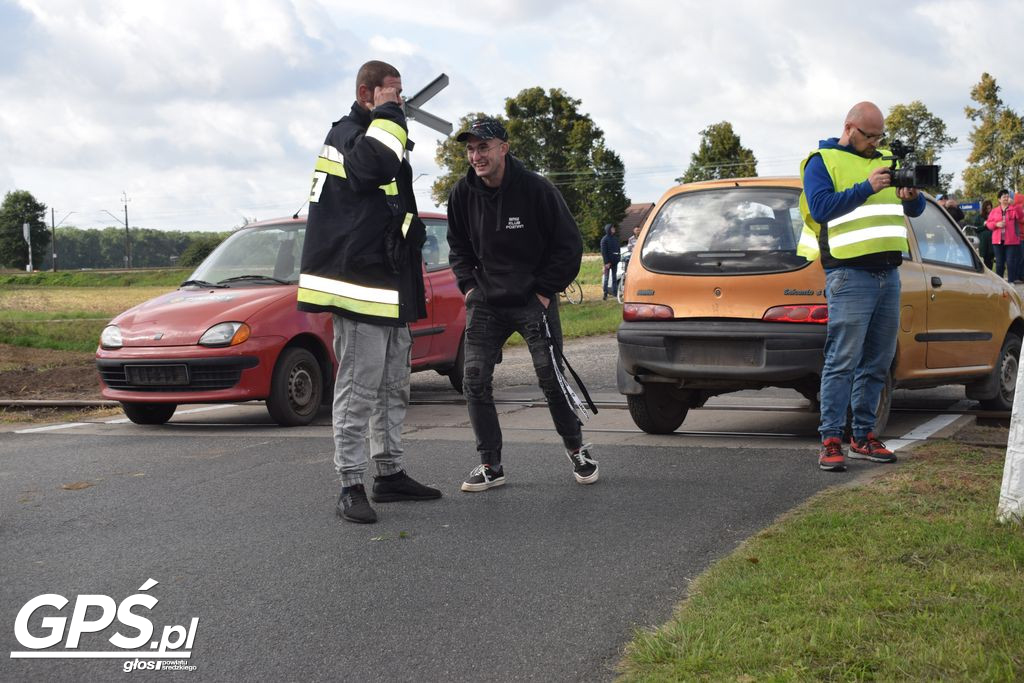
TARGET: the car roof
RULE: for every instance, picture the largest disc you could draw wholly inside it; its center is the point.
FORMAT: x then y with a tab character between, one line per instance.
766	181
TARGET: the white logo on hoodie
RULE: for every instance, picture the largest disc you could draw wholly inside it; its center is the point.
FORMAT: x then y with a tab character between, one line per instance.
514	223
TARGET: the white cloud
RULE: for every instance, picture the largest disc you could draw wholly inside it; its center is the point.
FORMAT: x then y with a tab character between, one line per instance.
392	46
205	111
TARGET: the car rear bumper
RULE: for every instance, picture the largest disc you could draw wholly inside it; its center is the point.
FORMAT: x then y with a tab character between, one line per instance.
241	373
718	354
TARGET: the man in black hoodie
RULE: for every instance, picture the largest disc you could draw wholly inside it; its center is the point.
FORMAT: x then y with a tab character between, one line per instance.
514	246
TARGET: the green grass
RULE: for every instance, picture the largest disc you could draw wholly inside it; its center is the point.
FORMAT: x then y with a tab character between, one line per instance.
908	577
68	310
62	335
90	278
64	318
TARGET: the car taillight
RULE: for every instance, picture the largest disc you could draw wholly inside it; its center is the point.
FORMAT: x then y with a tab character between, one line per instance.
814	313
633	312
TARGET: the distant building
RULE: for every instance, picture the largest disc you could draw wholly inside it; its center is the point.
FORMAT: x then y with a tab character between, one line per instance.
636	214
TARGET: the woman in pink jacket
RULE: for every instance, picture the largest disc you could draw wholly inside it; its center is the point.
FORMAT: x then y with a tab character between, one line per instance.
1005	224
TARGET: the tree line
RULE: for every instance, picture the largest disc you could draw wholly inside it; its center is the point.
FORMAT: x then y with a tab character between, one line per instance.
550	135
78	248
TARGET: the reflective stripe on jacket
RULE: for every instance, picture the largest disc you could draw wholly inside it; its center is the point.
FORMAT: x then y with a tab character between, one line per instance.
361	257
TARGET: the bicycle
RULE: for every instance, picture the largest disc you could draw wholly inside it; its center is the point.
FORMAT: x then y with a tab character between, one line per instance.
573	293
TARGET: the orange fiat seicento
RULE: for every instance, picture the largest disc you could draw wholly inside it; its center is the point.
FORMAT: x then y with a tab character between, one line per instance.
716	300
232	331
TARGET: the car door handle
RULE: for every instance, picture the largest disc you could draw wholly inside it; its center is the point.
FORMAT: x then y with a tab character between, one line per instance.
936	281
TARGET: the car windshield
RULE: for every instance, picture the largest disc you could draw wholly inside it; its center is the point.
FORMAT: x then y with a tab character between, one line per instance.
726	230
255	256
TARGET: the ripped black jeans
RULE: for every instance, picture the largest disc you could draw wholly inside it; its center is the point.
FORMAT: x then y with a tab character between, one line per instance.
487	329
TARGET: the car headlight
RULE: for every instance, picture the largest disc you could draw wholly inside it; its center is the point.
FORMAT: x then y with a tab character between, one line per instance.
110	337
225	334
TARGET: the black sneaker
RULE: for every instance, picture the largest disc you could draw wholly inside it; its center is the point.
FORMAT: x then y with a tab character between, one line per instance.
353	506
584	467
484	477
400	486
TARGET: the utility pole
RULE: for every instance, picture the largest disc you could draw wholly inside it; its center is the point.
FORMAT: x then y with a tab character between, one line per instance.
127	235
53	230
53	239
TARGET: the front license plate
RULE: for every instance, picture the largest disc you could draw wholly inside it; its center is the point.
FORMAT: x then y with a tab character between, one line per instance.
157	375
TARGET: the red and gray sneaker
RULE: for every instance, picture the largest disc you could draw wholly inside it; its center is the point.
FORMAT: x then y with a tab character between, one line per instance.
830	457
870	448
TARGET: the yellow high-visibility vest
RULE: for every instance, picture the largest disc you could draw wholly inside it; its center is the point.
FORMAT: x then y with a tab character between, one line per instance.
875	226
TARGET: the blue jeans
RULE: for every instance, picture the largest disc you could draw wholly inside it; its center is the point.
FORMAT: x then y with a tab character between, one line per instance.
371	395
863	323
1008	254
487	328
610	280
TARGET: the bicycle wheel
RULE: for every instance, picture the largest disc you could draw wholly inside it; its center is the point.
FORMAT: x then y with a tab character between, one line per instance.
574	292
620	291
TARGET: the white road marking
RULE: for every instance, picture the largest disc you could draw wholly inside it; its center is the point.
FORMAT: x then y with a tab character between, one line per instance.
922	432
51	428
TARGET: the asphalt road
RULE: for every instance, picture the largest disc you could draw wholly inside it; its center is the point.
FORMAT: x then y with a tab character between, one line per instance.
542	579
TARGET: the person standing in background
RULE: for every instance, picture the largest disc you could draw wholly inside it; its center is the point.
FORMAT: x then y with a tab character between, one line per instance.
1004	222
984	234
610	255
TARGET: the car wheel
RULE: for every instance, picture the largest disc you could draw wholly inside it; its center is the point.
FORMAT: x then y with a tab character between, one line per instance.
1005	375
660	409
149	413
295	388
455	373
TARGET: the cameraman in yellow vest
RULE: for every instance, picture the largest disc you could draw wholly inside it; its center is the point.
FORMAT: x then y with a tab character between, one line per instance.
854	221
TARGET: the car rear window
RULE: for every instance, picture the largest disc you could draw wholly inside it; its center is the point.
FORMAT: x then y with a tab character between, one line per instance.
726	230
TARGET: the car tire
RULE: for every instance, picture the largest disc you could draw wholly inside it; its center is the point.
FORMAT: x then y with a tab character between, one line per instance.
456	371
1004	376
296	388
149	413
660	409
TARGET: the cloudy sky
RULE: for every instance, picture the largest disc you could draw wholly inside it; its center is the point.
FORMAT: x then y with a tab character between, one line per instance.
205	112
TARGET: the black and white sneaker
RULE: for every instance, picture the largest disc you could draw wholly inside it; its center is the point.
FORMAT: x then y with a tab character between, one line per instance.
584	467
484	477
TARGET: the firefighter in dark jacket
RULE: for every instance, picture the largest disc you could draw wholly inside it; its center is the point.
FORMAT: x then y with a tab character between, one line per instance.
361	263
514	246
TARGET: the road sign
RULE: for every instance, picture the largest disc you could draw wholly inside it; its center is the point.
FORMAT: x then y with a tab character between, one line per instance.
970	206
413	104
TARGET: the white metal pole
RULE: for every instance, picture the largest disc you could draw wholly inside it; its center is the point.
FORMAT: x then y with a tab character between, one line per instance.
1011	496
27	230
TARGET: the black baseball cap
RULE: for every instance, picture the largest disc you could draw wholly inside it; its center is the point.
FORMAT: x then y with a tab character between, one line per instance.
485	129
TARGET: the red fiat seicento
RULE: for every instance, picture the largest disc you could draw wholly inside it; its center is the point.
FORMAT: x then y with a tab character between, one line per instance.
232	333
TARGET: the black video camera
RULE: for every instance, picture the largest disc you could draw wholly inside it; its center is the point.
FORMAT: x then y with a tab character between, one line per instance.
910	174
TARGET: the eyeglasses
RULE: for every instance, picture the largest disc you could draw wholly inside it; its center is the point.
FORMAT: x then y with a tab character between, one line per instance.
869	136
481	148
